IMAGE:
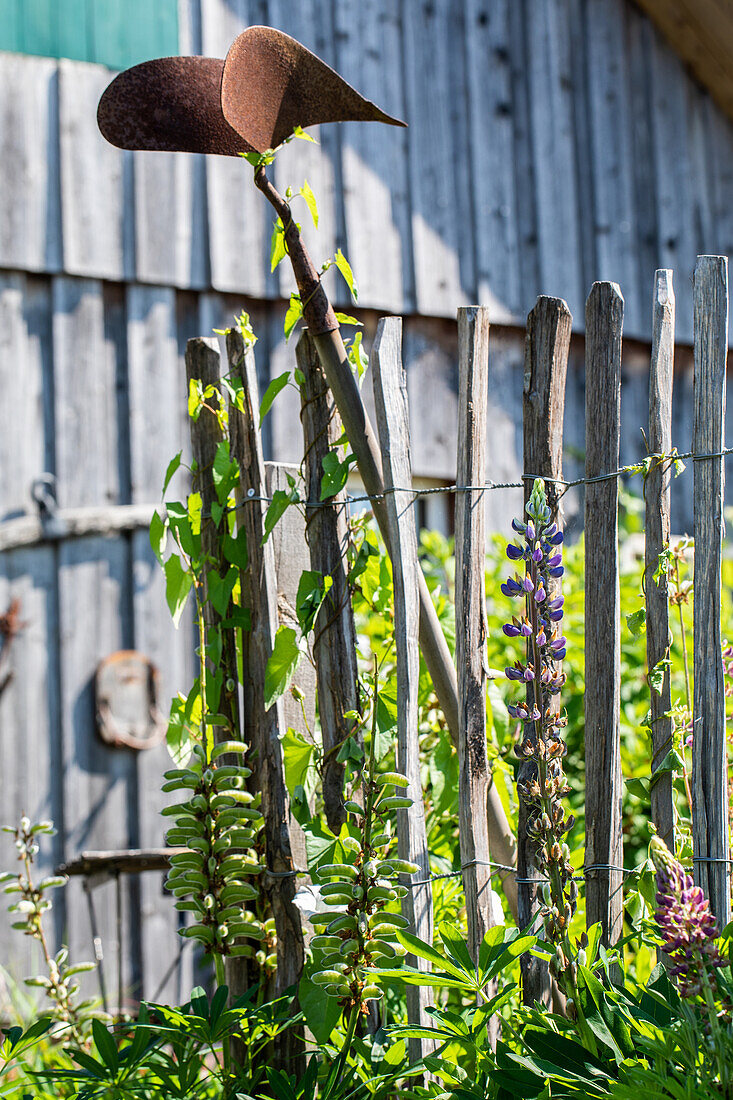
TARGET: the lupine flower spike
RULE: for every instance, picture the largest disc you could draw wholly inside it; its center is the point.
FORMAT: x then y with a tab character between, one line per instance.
543	785
686	925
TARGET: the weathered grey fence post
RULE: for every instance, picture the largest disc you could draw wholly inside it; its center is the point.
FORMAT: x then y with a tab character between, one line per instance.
327	532
603	850
709	771
657	528
471	628
290	556
203	364
263	726
390	399
545	368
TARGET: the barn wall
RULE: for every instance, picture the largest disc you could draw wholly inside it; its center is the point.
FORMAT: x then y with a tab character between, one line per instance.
551	142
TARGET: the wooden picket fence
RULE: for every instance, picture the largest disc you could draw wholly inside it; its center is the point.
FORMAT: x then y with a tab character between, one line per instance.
320	542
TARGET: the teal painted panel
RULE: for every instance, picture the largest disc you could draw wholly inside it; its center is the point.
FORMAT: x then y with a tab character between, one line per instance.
9	25
115	33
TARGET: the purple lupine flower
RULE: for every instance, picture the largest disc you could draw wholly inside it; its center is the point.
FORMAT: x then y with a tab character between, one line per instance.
686	925
542	782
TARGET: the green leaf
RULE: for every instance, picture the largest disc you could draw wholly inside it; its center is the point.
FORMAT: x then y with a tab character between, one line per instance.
178	583
427	952
271	393
158	535
278	252
310	201
235	549
386	719
300	133
357	357
195	398
224	471
335	474
658	673
313	588
321	1013
293	315
281	499
297	755
281	666
345	268
220	589
637	622
173	465
106	1045
346	319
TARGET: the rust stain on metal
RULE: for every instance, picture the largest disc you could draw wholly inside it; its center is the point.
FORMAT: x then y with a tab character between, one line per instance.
171	104
272	83
268	85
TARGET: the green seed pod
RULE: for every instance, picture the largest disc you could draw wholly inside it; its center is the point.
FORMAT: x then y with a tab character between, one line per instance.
211	864
353	808
190	782
335	888
327	977
242	950
380	893
189	905
222	843
404	867
228	746
395	919
179	773
199	803
188	859
209	901
345	923
339	899
381	840
395	802
247	928
382	929
203	932
238	892
351	845
399	890
199	844
337	870
326	943
396	779
371	993
381	949
241	838
349	947
208	777
357	892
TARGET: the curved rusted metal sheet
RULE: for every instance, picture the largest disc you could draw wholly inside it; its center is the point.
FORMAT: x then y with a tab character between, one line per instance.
268	85
272	83
171	104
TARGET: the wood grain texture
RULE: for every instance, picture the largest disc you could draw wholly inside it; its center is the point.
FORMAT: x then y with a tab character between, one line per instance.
471	627
492	162
390	399
657	492
604	325
170	220
610	153
96	194
327	531
437	140
374	170
290	551
545	369
555	162
239	224
264	726
156	396
709	754
30	216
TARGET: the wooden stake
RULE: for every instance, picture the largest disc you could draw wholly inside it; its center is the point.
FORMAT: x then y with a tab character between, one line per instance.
262	726
709	763
545	369
657	528
603	850
390	399
327	532
473	767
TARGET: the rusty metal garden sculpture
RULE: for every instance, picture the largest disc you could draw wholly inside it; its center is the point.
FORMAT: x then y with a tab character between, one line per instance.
268	86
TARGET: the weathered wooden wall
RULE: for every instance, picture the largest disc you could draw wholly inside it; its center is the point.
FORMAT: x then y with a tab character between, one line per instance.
551	143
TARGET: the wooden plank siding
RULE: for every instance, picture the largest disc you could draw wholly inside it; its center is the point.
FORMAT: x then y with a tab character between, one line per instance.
551	143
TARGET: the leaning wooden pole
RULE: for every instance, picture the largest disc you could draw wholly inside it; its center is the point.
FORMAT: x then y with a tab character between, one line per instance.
603	851
327	532
545	368
474	776
390	399
263	726
323	327
709	765
657	527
